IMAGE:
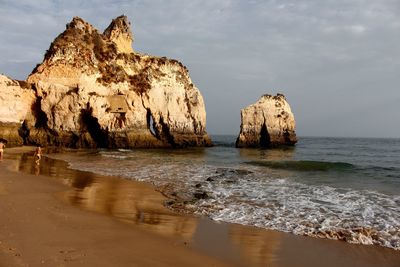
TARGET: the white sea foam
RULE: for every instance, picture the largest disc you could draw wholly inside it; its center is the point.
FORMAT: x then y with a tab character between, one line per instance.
357	216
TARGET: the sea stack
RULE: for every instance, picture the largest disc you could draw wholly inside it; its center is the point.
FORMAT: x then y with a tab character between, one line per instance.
267	123
93	90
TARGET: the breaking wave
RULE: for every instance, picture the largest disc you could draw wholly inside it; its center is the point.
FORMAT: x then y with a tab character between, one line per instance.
304	165
363	217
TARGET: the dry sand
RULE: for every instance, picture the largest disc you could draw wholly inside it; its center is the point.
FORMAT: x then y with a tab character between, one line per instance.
53	216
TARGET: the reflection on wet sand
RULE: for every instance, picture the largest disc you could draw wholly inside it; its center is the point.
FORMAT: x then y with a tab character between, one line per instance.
37	169
271	248
237	244
259	246
129	201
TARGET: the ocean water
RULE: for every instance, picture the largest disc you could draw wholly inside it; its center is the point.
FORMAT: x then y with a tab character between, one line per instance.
338	188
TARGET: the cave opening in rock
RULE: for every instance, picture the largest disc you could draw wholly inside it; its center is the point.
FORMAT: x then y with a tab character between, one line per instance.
40	115
151	123
265	139
166	133
91	124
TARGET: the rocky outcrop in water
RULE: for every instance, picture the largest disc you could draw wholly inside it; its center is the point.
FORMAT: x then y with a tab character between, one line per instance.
93	90
267	123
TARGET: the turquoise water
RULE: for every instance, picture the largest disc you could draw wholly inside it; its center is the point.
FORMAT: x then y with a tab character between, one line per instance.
338	188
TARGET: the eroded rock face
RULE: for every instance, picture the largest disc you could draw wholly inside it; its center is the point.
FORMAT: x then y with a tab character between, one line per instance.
93	90
267	123
16	100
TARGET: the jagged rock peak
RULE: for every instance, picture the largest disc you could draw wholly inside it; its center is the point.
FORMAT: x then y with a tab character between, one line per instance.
119	32
278	96
79	23
82	43
268	122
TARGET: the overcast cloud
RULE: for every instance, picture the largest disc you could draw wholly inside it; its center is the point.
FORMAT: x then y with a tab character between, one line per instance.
337	61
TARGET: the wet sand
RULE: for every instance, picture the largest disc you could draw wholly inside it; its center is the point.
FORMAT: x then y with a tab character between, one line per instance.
54	216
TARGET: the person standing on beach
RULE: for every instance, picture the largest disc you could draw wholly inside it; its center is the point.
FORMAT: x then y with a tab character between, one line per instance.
38	154
2	146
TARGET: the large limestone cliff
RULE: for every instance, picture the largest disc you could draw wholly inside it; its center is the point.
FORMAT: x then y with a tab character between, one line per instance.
267	123
16	99
93	90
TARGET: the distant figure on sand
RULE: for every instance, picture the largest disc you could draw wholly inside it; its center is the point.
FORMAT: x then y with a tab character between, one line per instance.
38	154
2	146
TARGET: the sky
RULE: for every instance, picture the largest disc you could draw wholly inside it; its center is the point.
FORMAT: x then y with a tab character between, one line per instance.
336	61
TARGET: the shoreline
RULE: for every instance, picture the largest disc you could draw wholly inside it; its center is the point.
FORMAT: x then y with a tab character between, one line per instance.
135	209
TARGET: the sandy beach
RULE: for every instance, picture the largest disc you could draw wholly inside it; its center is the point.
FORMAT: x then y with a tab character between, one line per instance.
55	216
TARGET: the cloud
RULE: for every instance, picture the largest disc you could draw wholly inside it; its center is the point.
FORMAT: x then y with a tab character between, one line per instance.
322	54
356	29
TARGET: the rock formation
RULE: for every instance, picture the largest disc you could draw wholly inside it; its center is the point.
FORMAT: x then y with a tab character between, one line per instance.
267	123
93	90
16	98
